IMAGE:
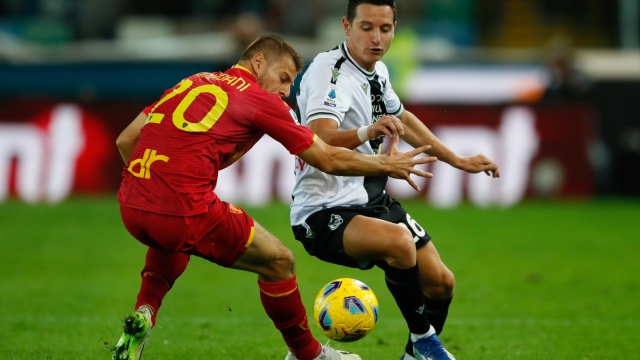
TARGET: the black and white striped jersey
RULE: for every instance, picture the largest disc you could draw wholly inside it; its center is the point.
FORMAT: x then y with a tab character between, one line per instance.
336	87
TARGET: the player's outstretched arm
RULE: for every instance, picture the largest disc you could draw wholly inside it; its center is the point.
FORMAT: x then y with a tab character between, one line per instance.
417	134
327	130
128	138
344	162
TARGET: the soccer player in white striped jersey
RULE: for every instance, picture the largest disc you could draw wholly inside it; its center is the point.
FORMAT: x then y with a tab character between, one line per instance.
346	98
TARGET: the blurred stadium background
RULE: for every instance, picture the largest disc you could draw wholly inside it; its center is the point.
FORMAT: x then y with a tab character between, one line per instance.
548	88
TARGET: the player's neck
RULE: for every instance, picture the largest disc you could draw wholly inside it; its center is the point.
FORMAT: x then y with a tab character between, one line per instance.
246	65
366	66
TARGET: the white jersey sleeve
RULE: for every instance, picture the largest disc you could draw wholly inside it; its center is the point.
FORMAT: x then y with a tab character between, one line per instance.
391	100
394	106
327	94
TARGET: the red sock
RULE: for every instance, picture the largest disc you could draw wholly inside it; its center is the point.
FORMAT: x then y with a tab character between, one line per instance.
281	300
161	270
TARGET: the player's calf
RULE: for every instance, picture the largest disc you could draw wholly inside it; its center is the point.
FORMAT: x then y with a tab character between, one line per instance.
438	282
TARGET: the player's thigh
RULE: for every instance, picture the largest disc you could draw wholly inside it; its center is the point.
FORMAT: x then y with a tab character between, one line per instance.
437	280
369	239
222	235
155	230
266	256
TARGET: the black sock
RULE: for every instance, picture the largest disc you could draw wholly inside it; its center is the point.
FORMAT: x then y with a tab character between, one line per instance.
404	285
437	312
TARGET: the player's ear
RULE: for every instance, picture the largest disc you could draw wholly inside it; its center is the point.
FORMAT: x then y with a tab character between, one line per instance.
346	26
257	62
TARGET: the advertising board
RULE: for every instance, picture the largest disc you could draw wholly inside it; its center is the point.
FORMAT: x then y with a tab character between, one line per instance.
49	151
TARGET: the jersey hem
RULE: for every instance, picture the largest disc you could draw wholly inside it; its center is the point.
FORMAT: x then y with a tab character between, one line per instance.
317	116
397	112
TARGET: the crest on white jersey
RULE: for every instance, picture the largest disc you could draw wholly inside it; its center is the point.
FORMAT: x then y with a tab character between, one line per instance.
334	75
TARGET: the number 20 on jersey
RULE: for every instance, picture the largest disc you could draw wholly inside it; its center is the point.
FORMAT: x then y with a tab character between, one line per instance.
222	100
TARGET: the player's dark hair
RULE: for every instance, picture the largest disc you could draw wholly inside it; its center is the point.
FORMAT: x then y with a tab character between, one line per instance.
353	5
273	46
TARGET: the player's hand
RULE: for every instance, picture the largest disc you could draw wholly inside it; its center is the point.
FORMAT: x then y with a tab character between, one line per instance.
478	163
387	125
402	165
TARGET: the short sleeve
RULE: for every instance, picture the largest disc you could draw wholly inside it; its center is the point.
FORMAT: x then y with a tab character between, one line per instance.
392	101
326	94
276	119
147	110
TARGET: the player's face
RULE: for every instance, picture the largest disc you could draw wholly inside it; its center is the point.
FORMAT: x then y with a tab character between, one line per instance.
277	76
369	35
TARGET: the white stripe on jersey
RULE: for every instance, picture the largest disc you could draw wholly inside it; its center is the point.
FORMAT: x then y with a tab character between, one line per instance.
335	87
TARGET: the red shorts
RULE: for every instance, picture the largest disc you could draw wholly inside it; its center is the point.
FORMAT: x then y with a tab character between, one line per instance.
220	235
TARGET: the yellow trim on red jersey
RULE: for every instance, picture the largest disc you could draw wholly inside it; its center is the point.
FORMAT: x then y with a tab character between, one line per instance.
242	68
253	230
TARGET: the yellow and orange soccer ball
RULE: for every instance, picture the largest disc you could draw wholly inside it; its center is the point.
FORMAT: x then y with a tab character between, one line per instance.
346	310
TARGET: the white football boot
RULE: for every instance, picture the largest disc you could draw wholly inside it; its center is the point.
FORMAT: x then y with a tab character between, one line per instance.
329	353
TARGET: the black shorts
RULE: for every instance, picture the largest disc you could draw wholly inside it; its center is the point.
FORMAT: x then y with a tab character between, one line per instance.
321	234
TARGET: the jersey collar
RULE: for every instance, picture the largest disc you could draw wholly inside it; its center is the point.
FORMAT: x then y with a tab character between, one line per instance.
240	67
345	53
236	66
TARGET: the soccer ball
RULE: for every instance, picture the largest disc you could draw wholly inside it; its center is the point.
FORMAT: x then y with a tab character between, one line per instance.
346	310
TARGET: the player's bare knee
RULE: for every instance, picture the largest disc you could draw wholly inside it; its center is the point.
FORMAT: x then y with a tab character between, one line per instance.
440	286
282	266
448	283
403	252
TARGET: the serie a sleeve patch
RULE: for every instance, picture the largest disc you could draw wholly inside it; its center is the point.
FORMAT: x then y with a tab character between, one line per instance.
331	96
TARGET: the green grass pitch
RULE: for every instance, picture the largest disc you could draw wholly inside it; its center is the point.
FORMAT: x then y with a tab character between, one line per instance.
542	280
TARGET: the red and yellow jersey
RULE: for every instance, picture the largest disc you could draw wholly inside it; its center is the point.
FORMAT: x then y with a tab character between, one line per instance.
200	126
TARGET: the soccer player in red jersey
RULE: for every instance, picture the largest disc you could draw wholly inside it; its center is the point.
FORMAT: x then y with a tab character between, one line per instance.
173	151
